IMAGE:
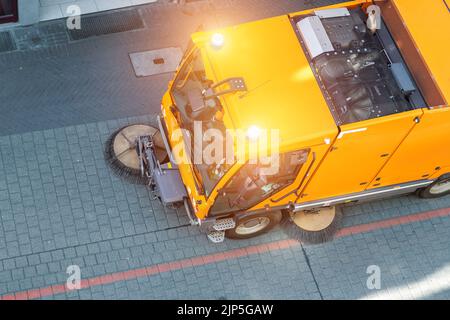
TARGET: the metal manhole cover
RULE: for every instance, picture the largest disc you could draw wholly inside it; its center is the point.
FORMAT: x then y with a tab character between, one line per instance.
6	42
149	63
96	25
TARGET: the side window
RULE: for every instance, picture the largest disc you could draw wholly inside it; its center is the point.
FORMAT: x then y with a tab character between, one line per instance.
254	183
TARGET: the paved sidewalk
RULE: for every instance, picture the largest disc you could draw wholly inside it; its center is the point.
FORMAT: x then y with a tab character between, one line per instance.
60	204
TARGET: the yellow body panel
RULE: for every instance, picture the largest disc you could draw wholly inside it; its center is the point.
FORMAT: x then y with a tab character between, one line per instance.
429	25
358	154
283	93
425	153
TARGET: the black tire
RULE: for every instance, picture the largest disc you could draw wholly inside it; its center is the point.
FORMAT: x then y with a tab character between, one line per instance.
273	219
295	232
430	191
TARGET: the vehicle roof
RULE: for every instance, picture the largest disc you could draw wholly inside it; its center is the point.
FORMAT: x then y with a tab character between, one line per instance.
429	25
283	92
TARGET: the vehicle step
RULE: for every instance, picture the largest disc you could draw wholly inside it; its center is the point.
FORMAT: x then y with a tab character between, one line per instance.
224	224
216	236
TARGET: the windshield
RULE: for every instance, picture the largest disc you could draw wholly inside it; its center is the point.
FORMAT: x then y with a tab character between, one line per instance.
196	115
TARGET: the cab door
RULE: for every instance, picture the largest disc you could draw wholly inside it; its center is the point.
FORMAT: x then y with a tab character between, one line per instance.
256	182
358	154
424	154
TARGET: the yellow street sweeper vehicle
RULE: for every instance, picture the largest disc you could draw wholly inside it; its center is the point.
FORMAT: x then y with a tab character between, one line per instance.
353	97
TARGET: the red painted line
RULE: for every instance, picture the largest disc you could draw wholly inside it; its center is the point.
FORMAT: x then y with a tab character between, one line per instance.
393	222
218	257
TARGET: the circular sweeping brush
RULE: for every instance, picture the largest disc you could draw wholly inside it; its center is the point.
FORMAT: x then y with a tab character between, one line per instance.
121	151
312	227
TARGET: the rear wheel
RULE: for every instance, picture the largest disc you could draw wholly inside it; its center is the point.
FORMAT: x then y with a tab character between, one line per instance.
439	188
254	225
314	226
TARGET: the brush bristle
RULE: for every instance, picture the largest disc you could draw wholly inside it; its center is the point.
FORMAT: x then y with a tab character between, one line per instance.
119	169
308	237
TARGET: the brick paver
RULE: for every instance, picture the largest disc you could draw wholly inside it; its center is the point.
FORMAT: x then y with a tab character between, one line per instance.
60	205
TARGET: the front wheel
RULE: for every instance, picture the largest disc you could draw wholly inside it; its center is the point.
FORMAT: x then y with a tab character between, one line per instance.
254	225
437	189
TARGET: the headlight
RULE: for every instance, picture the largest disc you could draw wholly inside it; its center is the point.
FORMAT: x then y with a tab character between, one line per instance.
217	40
253	133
